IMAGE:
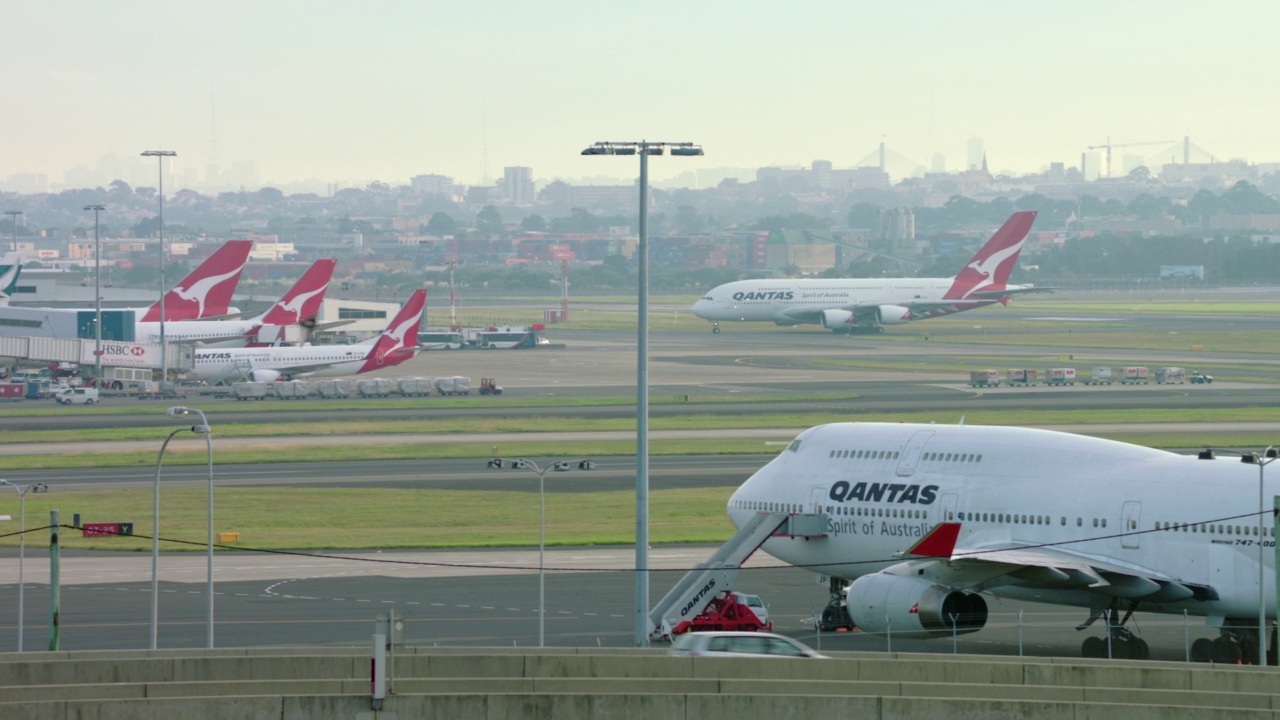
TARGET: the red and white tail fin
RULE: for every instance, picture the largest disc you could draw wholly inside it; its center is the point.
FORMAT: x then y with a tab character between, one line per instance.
991	266
207	291
302	302
399	341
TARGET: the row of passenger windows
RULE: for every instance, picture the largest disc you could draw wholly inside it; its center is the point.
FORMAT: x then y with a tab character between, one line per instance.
865	454
893	455
1213	528
878	512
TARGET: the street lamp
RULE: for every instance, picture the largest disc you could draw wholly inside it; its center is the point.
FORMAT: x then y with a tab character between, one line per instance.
1262	460
22	544
560	465
97	293
644	148
13	218
160	155
201	429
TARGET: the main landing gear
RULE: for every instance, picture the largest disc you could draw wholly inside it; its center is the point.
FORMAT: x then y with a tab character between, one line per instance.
1120	643
835	616
1237	643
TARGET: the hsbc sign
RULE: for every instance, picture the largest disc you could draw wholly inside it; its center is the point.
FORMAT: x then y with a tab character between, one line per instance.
118	354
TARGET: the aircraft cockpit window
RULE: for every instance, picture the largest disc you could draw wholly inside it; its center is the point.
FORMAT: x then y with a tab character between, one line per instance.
794	446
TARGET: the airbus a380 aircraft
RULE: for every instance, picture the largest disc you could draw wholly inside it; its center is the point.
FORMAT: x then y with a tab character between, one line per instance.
300	304
396	344
926	519
867	305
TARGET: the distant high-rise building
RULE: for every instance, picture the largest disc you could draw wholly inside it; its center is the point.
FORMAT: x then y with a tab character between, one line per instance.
939	163
517	185
433	185
822	173
977	153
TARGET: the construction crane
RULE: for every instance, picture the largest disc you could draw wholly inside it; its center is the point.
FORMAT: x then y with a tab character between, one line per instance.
1108	145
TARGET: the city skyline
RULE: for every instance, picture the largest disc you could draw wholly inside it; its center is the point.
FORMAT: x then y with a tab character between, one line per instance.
289	92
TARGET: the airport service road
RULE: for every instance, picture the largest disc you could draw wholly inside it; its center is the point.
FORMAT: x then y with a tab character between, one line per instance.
473	598
949	400
665	473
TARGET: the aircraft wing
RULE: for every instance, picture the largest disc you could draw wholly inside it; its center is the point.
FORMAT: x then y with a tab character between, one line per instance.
330	325
997	294
991	565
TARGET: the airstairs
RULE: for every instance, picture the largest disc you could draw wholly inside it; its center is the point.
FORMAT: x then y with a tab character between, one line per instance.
695	591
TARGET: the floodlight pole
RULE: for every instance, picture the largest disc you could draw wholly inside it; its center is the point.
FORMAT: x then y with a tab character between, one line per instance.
160	155
13	218
644	148
22	546
97	294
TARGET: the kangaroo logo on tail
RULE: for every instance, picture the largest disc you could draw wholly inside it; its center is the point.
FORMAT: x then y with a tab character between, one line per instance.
207	290
302	302
991	266
399	341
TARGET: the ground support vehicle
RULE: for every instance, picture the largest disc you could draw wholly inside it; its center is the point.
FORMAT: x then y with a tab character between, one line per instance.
415	386
456	385
250	390
1021	377
489	387
374	387
292	389
1134	376
1099	376
1060	376
333	389
77	396
984	378
726	611
1170	375
1199	378
12	392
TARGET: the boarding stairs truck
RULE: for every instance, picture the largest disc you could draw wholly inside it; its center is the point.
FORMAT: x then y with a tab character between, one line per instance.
704	599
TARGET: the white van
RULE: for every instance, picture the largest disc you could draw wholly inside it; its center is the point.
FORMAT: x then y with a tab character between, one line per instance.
77	396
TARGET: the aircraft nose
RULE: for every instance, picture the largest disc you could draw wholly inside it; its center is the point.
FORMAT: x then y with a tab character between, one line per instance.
701	307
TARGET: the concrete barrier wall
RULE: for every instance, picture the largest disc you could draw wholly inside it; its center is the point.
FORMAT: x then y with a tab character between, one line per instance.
581	684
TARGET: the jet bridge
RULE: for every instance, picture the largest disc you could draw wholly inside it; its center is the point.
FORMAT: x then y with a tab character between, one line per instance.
695	591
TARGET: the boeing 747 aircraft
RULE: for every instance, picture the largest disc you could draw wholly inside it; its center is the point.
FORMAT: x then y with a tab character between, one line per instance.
868	304
922	522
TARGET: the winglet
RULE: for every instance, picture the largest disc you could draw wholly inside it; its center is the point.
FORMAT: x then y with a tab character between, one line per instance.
939	543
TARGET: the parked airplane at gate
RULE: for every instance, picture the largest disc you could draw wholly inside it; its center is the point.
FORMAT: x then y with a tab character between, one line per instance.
10	268
396	344
206	291
299	305
926	519
868	304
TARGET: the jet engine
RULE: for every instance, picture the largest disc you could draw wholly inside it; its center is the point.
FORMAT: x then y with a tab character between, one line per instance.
893	315
836	319
265	375
908	607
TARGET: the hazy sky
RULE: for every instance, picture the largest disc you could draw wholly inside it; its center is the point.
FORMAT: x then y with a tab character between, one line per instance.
387	90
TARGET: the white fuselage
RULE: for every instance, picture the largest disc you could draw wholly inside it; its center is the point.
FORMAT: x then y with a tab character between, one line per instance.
209	333
884	486
235	363
788	301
